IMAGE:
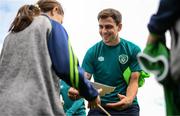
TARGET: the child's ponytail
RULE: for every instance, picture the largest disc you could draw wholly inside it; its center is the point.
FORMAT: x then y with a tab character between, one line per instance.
24	17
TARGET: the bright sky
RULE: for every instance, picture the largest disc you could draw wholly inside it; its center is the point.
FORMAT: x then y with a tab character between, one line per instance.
81	23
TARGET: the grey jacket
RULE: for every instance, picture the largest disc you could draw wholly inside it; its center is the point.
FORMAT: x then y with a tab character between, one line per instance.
28	85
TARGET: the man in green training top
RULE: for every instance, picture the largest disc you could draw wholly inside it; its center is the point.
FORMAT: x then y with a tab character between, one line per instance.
107	61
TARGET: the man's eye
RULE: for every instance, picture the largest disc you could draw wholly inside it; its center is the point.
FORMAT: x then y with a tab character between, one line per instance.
108	27
100	27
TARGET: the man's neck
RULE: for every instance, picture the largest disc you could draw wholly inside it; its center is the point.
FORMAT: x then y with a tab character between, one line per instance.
114	42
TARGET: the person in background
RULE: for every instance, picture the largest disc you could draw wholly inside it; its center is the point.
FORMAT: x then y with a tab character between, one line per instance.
108	60
35	55
167	18
71	107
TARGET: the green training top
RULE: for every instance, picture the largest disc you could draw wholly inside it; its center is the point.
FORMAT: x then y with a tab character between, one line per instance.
71	107
107	64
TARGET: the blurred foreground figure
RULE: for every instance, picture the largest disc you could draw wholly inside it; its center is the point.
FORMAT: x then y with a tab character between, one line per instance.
161	61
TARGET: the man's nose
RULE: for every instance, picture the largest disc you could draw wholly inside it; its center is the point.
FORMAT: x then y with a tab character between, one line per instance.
104	30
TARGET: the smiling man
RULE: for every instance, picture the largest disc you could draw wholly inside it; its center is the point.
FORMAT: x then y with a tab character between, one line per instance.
107	61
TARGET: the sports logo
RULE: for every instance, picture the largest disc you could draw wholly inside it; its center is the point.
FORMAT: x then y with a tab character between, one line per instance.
100	58
123	58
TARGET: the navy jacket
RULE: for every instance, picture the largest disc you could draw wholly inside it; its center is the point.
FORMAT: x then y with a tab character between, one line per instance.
168	12
66	63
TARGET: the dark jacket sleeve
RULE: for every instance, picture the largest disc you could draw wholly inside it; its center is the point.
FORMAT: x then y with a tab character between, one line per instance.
65	63
168	12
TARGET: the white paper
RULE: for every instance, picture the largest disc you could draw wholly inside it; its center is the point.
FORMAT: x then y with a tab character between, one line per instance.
105	88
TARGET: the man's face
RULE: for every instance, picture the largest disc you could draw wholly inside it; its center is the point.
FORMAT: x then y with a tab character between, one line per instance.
109	30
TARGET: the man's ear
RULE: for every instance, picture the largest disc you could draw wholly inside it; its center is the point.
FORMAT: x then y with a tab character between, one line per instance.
119	26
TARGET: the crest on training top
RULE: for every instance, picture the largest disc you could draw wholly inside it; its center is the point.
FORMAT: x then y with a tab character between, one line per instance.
123	58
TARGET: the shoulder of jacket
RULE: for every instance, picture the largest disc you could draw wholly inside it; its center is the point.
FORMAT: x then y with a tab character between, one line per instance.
44	21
